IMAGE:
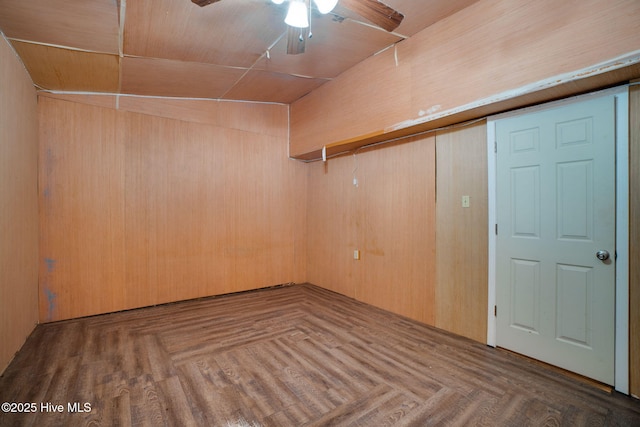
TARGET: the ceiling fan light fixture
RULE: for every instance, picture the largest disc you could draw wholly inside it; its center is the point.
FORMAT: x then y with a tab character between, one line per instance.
325	6
297	16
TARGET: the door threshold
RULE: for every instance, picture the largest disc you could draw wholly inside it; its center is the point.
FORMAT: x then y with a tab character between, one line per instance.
580	378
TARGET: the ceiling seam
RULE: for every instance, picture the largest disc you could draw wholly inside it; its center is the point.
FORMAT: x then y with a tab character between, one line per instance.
180	98
264	54
59	46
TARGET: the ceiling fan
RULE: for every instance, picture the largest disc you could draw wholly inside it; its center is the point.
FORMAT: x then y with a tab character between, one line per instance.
374	11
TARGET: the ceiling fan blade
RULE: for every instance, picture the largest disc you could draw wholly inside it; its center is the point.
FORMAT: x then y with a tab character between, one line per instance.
296	40
375	11
202	3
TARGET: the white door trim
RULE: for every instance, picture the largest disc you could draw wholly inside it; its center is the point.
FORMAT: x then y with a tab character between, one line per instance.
621	95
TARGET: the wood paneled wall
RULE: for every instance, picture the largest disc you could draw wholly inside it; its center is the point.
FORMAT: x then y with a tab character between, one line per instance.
461	233
422	258
389	217
480	53
333	225
18	205
634	239
397	225
138	209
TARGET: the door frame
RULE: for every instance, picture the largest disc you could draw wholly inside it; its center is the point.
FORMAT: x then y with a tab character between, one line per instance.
621	96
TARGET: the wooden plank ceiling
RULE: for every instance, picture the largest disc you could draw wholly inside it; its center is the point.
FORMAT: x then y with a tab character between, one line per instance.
232	49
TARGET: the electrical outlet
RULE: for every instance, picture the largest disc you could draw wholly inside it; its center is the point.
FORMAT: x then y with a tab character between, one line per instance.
356	254
465	201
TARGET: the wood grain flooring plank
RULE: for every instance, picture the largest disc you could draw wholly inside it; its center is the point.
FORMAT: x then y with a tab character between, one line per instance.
386	371
288	356
391	411
473	409
159	359
307	392
317	375
294	415
258	383
146	408
116	410
351	412
202	395
431	368
331	373
177	407
274	364
217	345
211	372
121	413
437	410
343	377
31	386
241	399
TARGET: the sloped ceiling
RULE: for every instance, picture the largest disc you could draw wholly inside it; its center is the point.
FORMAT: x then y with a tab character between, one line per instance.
232	49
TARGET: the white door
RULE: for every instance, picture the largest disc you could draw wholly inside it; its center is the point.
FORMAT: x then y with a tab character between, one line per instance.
556	215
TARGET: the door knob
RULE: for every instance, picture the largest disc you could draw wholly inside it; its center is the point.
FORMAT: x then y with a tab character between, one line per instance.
602	255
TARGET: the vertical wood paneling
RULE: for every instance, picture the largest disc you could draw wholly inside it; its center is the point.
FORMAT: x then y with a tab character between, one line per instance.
461	234
82	210
147	178
141	210
634	239
18	205
332	226
389	217
397	237
209	207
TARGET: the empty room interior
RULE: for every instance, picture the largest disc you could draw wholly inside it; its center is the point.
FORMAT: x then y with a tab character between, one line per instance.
367	213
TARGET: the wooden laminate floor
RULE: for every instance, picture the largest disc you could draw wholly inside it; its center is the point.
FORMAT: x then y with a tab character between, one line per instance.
289	356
